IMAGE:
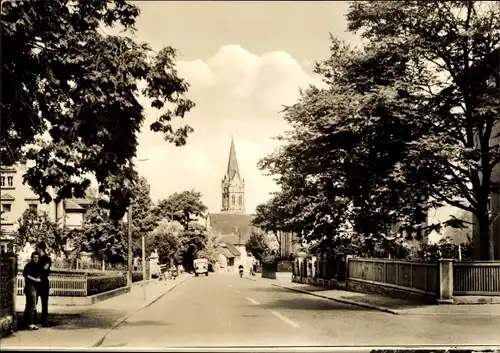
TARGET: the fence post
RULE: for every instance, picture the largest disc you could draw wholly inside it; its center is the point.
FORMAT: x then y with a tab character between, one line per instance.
85	284
346	270
445	280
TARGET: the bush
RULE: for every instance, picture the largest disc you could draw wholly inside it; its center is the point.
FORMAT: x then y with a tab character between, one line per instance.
136	276
105	283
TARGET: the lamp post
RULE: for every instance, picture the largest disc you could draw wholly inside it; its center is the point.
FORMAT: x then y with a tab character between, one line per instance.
129	222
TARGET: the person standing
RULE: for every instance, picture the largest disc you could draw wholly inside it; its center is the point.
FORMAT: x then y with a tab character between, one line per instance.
31	275
45	263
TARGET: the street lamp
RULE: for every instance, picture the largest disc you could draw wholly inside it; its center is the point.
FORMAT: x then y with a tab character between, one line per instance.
129	222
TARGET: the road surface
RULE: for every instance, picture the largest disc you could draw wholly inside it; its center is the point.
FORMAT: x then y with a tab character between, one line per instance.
225	310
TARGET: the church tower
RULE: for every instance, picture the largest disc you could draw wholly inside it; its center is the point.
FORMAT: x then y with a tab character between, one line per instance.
233	186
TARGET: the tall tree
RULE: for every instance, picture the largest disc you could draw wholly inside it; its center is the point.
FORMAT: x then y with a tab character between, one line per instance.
353	137
257	245
103	236
36	226
211	248
144	218
184	207
167	238
71	105
453	49
195	240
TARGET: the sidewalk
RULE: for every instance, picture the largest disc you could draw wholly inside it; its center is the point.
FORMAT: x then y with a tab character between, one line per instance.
86	326
386	304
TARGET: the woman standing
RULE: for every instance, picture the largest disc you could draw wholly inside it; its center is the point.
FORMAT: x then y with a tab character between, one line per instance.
31	275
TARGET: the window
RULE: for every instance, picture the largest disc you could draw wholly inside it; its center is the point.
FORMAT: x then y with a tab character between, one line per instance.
33	206
6	207
233	200
2	181
10	181
240	200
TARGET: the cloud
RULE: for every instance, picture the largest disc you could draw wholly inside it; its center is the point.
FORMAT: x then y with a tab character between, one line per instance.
236	93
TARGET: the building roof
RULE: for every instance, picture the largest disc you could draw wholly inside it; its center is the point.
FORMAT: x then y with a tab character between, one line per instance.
233	171
225	251
232	224
70	205
232	249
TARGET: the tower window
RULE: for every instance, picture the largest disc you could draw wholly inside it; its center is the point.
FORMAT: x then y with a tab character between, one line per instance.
240	200
2	181
233	200
10	181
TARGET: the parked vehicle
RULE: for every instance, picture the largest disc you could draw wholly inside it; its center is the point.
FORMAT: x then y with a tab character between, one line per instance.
200	267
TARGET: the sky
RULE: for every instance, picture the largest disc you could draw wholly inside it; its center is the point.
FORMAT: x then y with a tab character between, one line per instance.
243	61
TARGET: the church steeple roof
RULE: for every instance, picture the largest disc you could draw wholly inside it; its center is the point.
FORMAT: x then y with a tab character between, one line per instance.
233	170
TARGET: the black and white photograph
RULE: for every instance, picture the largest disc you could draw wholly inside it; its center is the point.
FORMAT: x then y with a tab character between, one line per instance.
245	175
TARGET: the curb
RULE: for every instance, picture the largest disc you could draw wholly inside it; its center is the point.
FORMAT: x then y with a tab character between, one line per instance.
126	316
344	301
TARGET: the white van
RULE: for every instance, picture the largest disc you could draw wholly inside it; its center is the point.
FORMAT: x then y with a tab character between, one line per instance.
200	267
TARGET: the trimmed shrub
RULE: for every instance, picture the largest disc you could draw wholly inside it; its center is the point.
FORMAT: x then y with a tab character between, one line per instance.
106	283
136	276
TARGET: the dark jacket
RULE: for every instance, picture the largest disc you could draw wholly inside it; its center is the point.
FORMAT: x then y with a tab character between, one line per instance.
44	274
31	269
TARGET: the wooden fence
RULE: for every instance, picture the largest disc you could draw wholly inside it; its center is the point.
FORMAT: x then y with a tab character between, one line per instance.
476	278
442	279
81	284
419	277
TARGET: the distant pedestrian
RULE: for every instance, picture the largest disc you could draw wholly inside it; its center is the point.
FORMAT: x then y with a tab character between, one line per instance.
31	275
45	264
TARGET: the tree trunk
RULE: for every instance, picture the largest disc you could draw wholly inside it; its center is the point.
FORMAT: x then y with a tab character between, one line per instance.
486	244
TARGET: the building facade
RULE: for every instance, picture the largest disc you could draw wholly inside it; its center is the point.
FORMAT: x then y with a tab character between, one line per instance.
16	197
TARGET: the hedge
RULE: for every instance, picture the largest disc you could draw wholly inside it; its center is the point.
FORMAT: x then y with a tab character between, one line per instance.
101	284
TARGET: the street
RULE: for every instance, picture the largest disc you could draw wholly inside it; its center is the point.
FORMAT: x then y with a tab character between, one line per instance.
225	310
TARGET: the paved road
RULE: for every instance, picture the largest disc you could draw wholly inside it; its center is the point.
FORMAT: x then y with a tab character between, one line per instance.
225	310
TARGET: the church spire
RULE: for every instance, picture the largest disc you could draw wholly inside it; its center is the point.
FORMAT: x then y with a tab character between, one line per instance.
233	170
233	186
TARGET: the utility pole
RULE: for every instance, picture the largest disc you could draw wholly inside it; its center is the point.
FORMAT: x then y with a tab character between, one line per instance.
143	240
129	222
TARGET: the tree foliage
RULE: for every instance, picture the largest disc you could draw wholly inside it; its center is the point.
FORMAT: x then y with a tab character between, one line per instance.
36	226
144	218
344	133
167	238
403	125
195	240
184	207
211	248
77	87
452	48
258	245
103	236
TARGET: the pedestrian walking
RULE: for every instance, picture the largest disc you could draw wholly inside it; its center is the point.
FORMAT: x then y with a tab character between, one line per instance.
31	275
45	263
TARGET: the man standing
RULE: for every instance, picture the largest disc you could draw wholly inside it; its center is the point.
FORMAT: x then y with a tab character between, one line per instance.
45	263
31	275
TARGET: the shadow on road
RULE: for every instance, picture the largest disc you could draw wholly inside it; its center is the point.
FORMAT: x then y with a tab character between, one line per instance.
311	303
271	290
94	319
